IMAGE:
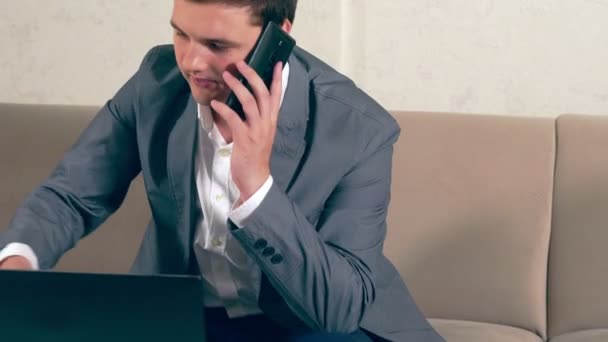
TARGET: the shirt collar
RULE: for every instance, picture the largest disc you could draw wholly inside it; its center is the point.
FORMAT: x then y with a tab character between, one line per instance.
204	111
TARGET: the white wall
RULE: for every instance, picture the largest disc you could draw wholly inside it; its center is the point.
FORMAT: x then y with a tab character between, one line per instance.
541	57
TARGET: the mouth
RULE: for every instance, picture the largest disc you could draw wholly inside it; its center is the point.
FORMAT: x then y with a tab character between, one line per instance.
204	83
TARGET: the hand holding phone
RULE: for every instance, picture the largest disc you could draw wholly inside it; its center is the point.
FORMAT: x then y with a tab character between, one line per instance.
274	45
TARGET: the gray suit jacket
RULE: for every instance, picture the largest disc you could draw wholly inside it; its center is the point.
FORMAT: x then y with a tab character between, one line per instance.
317	236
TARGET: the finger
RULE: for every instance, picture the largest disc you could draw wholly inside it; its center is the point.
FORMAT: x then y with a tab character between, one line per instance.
276	91
248	102
260	90
236	125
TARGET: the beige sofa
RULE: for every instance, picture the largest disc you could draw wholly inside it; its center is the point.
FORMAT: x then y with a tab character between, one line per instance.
498	224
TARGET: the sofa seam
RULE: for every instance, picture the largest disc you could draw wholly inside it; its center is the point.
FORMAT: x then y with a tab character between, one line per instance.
551	220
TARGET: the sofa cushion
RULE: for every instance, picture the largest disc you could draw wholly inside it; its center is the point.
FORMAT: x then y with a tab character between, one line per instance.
578	260
470	215
596	335
466	331
32	140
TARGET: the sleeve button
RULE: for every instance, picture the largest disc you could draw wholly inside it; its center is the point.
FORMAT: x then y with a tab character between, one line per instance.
259	244
268	251
276	259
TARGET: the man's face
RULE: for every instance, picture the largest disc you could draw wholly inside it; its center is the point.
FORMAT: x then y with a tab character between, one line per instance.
209	39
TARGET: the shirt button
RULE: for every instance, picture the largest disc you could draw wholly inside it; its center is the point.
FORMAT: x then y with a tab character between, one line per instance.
219	197
217	243
224	152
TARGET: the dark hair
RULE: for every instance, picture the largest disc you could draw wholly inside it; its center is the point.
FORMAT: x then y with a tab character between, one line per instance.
264	11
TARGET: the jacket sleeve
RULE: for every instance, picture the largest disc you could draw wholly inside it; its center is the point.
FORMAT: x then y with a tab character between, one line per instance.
325	273
87	185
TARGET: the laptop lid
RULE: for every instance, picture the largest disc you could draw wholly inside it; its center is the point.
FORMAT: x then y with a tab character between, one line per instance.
55	306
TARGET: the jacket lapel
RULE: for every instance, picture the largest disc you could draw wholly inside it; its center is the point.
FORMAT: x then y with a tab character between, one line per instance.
180	166
290	138
289	147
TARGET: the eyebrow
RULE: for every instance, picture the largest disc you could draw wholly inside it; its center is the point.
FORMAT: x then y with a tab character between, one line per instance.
208	40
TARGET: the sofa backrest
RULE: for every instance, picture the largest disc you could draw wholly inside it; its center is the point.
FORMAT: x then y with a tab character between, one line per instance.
469	222
32	140
578	258
470	214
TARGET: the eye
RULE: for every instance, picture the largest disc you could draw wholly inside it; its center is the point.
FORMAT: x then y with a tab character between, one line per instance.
217	46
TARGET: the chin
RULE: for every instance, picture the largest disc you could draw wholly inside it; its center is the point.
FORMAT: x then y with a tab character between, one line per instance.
202	98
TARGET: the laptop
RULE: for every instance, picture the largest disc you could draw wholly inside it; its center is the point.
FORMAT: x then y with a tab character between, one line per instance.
56	306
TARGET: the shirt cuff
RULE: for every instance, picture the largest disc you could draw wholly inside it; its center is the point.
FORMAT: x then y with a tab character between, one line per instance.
20	249
239	215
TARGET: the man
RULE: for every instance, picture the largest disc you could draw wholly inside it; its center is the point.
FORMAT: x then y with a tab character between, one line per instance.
283	214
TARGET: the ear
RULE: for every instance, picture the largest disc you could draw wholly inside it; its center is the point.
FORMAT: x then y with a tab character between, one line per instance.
286	26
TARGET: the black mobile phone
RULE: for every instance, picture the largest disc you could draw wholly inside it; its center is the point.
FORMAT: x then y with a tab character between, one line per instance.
274	45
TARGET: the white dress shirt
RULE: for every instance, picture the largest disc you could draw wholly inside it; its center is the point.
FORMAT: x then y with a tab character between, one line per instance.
231	279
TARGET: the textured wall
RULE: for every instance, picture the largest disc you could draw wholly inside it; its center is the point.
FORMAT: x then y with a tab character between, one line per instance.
541	57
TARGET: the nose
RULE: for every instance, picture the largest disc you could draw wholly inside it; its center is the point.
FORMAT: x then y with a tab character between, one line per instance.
196	59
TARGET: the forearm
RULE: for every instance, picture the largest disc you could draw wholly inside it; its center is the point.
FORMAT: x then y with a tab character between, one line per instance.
87	186
325	286
46	222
